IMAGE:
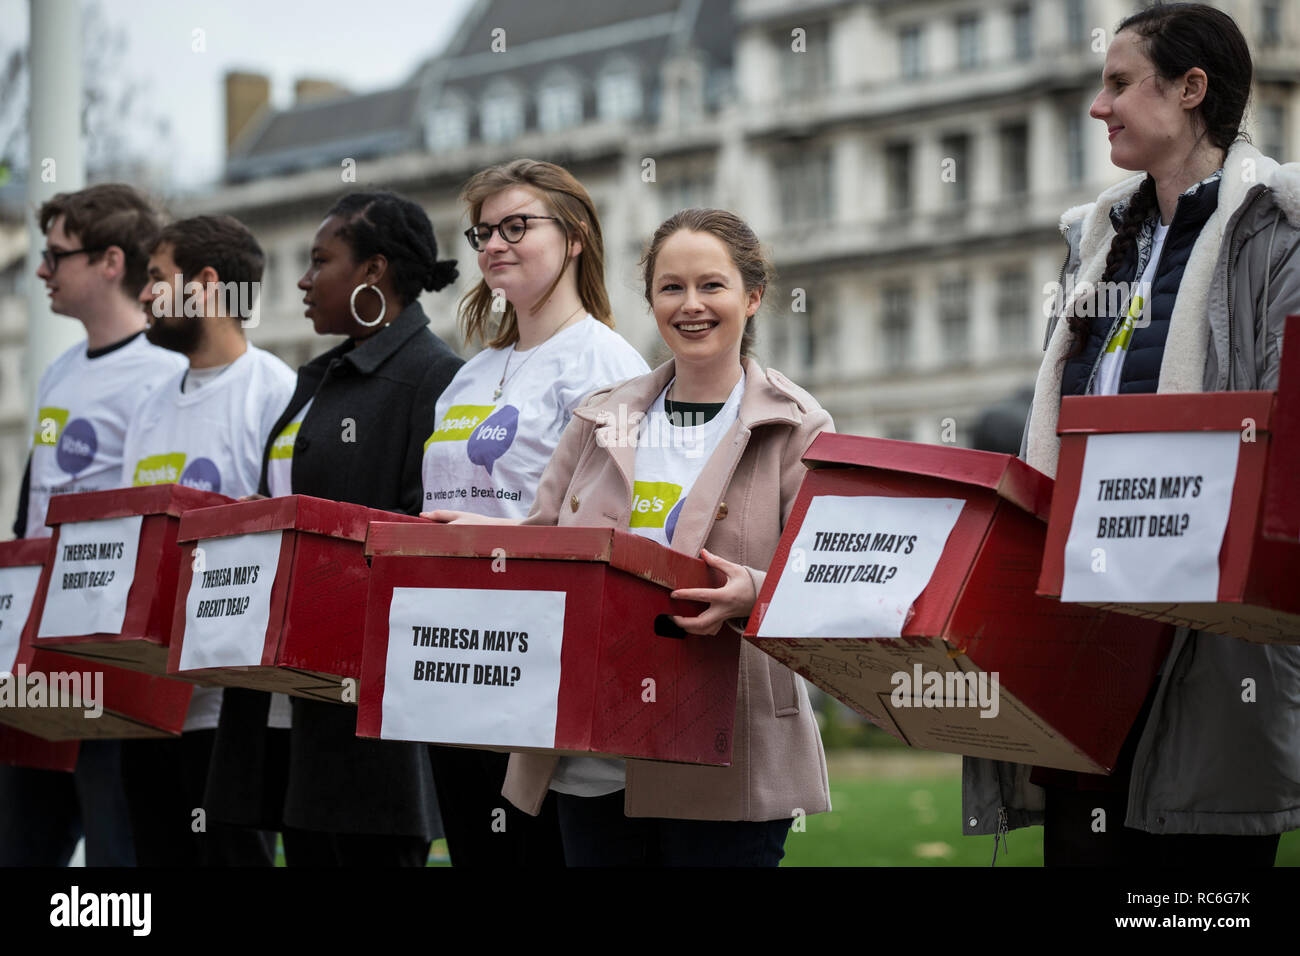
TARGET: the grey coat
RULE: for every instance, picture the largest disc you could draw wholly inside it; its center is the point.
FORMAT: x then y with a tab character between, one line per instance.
1207	761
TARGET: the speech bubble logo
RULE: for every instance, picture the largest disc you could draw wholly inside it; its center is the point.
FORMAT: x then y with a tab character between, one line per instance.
492	438
203	474
77	446
670	525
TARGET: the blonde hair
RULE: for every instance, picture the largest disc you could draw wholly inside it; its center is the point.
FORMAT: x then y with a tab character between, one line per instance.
566	199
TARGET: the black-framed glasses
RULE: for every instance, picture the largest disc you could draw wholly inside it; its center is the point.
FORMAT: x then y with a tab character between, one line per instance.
511	228
51	259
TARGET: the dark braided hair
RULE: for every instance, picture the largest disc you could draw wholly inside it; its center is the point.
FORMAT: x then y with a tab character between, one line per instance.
1177	37
384	223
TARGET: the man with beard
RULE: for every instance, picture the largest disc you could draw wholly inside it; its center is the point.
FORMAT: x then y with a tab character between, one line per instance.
93	266
206	428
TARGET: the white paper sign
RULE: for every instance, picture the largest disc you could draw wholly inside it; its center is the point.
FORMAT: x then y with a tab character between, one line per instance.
857	566
1150	517
229	602
17	592
94	565
473	667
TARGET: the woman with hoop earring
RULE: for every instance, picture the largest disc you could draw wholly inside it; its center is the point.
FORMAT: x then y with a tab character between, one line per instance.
354	431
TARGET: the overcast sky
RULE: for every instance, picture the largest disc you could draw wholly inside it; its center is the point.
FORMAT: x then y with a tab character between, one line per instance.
362	45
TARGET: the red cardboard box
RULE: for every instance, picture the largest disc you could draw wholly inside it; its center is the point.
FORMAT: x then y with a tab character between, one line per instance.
543	640
904	587
18	749
1159	512
277	602
58	697
103	604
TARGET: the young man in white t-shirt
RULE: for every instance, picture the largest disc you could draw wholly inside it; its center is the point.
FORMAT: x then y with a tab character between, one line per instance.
93	267
205	428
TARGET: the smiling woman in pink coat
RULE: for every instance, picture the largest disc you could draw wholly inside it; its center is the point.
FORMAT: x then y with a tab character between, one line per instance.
723	440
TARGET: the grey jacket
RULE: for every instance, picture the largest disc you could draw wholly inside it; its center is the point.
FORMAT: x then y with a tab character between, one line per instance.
1207	761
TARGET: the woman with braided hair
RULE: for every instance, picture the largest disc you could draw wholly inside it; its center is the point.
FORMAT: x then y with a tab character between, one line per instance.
1204	244
353	431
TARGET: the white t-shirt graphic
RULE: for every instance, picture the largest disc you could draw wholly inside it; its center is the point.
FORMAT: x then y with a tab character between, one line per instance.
279	466
84	406
1106	381
486	454
211	438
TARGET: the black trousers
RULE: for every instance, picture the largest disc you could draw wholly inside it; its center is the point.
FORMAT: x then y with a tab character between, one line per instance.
165	781
1071	837
597	833
319	848
43	813
483	828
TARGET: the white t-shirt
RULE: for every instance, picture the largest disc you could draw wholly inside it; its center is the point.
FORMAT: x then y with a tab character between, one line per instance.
1106	381
210	437
84	406
486	454
669	459
279	466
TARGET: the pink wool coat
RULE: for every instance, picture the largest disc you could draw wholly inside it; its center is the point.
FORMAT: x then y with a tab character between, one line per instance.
736	509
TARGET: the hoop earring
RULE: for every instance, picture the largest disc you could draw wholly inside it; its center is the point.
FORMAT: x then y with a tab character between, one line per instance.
383	305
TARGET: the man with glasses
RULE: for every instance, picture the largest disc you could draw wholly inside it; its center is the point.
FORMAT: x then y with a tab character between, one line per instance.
94	267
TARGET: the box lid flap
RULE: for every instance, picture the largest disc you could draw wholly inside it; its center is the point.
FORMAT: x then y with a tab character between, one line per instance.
1005	475
627	552
24	551
1182	412
124	502
337	519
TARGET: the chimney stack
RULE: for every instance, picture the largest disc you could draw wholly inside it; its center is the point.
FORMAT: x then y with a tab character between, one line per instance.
247	94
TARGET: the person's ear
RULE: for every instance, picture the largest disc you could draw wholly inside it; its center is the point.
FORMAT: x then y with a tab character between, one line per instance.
206	280
753	299
1193	88
376	269
112	263
575	241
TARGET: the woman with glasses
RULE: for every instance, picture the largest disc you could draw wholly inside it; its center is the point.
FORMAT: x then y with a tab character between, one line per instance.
543	311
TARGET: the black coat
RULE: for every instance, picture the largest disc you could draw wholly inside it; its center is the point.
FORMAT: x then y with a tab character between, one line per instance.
361	442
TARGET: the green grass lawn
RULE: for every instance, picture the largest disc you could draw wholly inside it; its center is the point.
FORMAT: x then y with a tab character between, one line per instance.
887	813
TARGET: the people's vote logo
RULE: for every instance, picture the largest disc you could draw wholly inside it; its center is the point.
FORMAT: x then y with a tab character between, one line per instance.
652	503
203	474
489	441
459	423
77	446
670	525
158	469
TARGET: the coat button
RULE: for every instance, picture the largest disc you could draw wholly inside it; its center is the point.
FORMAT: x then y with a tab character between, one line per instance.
573	503
722	512
301	443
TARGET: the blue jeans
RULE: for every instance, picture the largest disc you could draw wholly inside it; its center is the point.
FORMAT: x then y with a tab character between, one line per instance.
597	833
43	813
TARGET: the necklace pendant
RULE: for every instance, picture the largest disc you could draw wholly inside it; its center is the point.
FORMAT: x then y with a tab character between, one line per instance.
496	394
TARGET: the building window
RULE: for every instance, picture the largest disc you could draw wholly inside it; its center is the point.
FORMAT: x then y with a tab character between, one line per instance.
816	330
1074	153
956	171
447	128
685	190
1270	23
1015	159
1014	307
804	182
559	104
898	177
807	69
968	43
911	53
954	318
896	327
1022	31
1076	26
502	115
1272	131
618	94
